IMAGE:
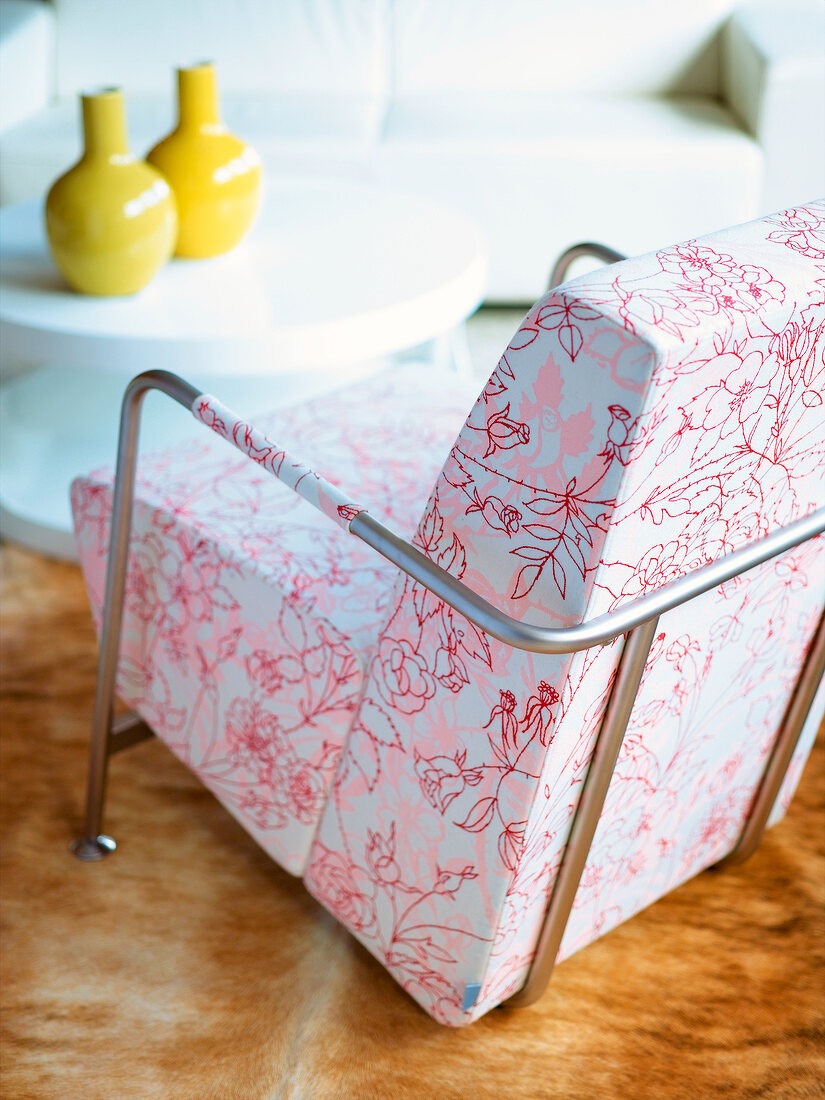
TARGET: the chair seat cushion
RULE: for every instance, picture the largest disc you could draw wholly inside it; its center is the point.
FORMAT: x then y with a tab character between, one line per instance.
258	703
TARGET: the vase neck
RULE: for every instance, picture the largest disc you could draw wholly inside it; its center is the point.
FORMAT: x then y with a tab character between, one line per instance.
198	96
104	124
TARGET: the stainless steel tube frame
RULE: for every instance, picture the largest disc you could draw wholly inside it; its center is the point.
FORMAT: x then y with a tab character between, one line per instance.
577	251
602	628
94	843
636	619
591	802
783	749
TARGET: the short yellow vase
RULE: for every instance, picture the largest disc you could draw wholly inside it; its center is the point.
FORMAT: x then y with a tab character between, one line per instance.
111	219
215	176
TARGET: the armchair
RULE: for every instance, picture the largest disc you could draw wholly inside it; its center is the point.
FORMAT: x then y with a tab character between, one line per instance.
486	760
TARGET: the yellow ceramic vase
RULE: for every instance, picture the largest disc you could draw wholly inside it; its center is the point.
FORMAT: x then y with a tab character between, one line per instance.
111	219
215	176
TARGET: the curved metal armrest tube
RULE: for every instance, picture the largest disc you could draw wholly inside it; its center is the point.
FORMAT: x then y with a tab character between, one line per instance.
520	635
575	252
598	631
171	384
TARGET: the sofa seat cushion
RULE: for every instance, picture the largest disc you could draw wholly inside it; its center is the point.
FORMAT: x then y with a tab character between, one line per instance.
635	172
237	588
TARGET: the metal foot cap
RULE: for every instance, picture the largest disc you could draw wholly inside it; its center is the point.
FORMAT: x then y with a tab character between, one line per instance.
90	848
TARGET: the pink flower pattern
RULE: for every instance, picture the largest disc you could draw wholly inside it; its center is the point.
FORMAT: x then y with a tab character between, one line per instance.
643	421
296	475
249	616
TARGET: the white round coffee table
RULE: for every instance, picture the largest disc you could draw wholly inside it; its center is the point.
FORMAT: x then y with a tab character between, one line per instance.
333	279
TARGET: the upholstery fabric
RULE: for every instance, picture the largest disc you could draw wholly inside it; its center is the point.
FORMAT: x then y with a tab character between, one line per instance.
249	615
291	46
290	472
27	39
525	45
773	79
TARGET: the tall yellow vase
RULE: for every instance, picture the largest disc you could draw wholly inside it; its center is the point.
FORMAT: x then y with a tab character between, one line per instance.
111	219
215	176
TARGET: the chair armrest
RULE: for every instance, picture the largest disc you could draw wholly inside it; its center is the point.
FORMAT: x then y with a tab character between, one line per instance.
773	78
538	639
26	59
315	489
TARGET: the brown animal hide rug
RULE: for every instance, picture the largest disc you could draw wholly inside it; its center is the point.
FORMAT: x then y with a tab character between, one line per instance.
188	966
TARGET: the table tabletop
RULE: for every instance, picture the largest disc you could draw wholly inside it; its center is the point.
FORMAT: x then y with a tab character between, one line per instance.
332	272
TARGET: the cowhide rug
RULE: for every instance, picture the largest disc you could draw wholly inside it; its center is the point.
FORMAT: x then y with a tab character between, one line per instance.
189	967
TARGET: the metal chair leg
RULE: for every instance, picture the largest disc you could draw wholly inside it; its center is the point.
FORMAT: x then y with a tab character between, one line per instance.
787	738
597	783
591	802
94	844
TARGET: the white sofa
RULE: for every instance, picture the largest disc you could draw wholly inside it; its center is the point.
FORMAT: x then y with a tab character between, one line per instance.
638	122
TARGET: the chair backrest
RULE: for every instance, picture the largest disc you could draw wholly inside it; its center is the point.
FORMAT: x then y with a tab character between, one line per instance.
545	45
643	422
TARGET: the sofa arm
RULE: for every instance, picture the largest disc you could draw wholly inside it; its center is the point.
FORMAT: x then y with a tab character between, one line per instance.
773	78
26	59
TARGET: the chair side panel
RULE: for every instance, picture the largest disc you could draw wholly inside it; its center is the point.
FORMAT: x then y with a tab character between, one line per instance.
252	693
249	617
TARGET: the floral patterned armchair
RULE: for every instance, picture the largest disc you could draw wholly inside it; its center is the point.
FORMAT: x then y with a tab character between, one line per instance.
464	775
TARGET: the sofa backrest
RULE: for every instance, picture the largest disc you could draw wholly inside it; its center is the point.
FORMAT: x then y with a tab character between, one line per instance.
258	45
643	422
639	48
381	47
